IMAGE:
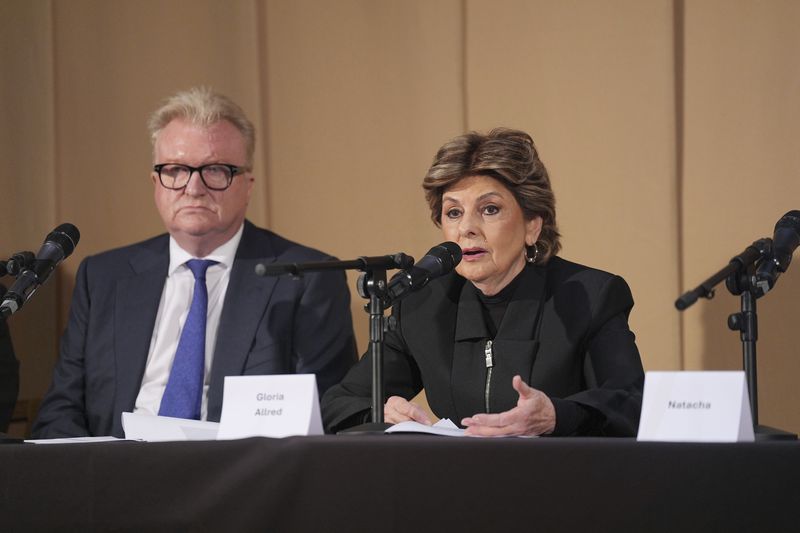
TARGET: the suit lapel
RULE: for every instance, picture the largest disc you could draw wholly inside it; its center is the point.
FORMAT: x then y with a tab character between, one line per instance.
516	344
520	317
468	377
245	300
136	306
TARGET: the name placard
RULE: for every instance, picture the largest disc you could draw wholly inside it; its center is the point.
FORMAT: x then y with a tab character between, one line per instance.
688	406
270	406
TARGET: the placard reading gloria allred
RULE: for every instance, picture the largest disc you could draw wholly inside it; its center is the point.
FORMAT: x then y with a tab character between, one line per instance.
270	406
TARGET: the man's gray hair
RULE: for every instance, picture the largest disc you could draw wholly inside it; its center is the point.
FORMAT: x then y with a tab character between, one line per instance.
203	107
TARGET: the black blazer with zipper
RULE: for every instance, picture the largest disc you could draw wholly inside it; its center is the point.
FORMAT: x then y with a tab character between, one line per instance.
565	332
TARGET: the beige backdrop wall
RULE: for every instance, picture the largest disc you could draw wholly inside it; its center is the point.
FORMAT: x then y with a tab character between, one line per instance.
669	128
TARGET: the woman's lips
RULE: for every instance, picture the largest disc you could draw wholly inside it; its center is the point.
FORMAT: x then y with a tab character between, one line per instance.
473	254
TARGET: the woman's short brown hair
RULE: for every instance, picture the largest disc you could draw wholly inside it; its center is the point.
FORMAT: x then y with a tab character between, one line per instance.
508	156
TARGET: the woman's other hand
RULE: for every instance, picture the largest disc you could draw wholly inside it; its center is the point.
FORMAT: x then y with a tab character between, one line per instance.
397	409
533	415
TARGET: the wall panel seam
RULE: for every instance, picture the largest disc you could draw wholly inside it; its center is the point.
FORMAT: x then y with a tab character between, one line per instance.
60	285
464	73
263	101
679	51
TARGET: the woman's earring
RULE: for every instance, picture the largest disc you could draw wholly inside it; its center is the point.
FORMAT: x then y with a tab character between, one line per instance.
533	259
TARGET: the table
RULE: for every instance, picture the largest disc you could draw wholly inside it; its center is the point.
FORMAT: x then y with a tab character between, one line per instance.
400	483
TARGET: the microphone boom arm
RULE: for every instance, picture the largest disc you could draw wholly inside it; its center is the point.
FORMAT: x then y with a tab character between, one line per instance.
363	263
749	256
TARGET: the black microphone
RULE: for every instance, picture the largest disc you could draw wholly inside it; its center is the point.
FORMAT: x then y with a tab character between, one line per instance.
784	243
17	263
58	245
439	260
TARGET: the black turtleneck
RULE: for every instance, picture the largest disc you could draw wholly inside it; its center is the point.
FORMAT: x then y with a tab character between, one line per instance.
494	307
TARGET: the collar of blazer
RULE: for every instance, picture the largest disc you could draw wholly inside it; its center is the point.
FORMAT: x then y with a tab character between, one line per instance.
520	318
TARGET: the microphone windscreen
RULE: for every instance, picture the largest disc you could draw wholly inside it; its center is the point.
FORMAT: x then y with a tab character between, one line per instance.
66	236
454	252
786	239
440	260
791	221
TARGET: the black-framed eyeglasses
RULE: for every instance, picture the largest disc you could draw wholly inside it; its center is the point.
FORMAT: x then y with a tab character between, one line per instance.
215	176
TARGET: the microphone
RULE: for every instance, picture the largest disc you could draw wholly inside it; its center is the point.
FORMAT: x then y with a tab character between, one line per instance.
58	245
440	260
17	263
784	242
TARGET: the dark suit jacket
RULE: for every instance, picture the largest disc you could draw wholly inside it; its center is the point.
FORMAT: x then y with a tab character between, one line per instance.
9	374
565	331
269	325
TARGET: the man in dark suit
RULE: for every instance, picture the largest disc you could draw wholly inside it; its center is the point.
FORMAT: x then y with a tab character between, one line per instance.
9	374
156	326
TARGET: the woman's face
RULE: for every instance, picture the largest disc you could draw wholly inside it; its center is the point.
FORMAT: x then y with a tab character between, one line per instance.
482	216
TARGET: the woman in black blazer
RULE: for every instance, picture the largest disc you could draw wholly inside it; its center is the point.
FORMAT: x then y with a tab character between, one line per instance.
516	341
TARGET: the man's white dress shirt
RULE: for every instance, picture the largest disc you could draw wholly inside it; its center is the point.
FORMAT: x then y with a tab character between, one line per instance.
173	309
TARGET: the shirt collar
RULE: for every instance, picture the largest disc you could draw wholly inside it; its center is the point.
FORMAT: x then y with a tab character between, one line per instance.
223	255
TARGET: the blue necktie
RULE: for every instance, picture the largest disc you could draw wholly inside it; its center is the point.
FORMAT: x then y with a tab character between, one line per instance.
184	391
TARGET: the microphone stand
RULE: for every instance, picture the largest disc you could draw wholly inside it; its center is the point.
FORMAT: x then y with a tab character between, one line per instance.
740	281
371	285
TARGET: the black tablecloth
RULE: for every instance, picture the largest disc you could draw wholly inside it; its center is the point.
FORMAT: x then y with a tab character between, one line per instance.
400	483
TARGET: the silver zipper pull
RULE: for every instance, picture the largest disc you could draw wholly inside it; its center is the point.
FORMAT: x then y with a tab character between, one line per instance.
487	352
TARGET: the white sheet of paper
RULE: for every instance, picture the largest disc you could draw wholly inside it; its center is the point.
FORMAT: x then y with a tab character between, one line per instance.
164	428
444	427
270	406
689	406
72	440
